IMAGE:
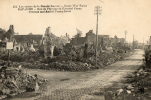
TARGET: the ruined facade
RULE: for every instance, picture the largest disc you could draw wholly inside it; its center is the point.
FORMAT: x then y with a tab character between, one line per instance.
116	42
50	41
24	42
90	39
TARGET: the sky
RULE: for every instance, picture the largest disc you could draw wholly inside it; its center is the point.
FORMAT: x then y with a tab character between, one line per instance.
117	16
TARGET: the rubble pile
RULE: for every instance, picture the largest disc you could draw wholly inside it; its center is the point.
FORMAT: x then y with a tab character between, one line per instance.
74	62
27	56
109	58
71	66
60	66
126	93
72	58
14	81
87	55
135	87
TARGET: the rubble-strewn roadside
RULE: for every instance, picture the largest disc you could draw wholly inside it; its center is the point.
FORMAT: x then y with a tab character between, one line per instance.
14	81
63	63
136	86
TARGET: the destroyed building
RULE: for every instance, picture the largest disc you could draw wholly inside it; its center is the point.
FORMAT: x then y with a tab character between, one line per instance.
116	42
51	41
25	41
90	39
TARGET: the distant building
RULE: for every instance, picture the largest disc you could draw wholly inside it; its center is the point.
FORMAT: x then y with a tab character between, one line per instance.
22	42
104	41
28	39
78	41
90	39
135	44
116	42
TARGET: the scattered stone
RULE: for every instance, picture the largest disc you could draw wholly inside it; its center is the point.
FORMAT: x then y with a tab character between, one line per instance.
14	81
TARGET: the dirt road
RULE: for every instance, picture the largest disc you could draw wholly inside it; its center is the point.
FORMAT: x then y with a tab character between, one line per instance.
77	85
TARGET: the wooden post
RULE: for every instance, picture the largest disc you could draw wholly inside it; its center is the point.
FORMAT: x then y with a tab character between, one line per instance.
9	46
8	57
97	8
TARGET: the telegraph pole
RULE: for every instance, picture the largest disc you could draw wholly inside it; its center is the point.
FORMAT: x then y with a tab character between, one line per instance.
97	12
125	35
125	32
143	42
133	41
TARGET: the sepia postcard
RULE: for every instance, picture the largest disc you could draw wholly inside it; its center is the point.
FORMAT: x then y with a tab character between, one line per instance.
75	50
